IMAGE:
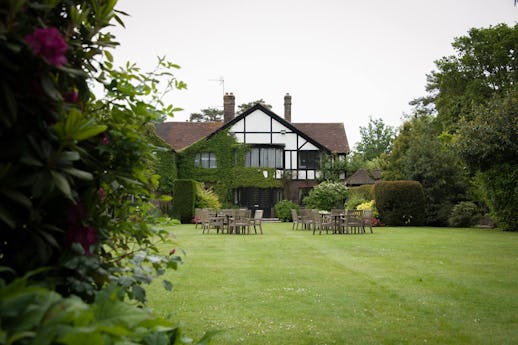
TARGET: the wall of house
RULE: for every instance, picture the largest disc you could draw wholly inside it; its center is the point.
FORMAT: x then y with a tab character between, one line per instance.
260	128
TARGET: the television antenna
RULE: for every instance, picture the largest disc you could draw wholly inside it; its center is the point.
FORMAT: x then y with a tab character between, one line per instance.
221	81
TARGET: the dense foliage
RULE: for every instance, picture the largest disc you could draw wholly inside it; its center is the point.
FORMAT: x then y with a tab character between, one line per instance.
76	171
283	210
421	154
184	197
400	202
464	214
326	196
230	172
376	139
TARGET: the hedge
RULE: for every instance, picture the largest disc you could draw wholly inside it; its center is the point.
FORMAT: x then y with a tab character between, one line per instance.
184	196
400	202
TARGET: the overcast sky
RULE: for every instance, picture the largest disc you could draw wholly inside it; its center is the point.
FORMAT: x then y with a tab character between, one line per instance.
342	61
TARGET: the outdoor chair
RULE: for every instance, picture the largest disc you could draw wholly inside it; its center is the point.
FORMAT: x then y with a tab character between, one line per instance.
367	219
197	217
321	222
239	222
306	218
257	221
296	219
354	222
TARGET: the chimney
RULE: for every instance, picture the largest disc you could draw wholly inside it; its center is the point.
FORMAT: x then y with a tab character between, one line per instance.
287	107
229	103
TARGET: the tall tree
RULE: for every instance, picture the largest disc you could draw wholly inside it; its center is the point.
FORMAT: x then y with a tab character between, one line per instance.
486	63
207	115
376	139
420	154
488	144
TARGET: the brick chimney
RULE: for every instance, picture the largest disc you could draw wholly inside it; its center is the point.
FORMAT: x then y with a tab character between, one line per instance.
287	107
229	105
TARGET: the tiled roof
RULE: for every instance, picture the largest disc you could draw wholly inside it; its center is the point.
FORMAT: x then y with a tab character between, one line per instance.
331	135
182	134
364	176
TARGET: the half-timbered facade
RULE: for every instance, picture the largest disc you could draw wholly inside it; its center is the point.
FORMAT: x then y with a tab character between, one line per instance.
290	151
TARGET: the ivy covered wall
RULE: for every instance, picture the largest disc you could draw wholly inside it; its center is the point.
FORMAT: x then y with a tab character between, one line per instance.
166	163
230	172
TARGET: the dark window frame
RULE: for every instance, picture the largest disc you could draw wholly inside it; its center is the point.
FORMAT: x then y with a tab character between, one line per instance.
205	160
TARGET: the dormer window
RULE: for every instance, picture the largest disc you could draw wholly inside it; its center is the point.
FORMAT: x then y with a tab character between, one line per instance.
205	160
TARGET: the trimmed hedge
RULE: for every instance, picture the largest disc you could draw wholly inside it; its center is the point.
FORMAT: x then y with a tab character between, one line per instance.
184	196
400	202
366	191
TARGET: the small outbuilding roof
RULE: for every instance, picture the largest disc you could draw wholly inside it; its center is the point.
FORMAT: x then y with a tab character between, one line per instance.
364	176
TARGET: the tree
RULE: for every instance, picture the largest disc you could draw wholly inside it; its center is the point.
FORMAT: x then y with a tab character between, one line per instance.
486	63
376	139
245	106
207	115
420	154
488	144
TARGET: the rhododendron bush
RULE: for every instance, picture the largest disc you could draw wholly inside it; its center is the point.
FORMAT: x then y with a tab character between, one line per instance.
76	170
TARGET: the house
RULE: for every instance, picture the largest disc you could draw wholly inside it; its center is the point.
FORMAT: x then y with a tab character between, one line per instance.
280	160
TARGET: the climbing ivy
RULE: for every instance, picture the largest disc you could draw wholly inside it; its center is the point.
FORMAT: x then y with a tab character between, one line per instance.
230	173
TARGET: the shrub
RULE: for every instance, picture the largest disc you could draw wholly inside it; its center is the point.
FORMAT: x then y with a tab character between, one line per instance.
206	198
464	214
354	200
366	191
500	186
184	198
400	202
283	210
369	205
326	196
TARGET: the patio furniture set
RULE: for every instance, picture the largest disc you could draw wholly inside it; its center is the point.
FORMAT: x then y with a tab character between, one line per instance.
337	221
230	221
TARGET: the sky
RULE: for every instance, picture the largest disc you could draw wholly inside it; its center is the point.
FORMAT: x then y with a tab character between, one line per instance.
341	61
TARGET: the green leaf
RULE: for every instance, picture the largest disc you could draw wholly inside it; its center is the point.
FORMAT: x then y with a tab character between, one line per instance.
86	132
17	197
62	183
80	174
50	89
6	218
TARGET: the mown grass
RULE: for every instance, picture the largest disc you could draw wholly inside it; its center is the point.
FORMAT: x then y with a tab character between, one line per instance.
397	286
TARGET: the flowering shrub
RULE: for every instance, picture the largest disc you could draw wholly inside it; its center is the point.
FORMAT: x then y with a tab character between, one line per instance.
326	196
370	205
76	177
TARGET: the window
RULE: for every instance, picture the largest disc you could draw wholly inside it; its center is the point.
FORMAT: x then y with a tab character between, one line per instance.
309	160
205	160
265	157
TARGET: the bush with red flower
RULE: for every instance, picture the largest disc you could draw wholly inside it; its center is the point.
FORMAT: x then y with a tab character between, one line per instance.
76	171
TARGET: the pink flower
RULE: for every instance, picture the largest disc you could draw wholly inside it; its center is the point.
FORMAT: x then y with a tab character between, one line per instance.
102	194
104	139
49	44
77	232
71	97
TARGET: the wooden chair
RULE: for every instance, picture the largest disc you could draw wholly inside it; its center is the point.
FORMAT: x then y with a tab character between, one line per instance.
296	219
321	222
354	221
239	222
257	221
367	220
197	217
306	218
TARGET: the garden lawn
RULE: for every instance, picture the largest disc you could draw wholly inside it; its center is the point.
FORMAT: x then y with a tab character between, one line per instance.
396	286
